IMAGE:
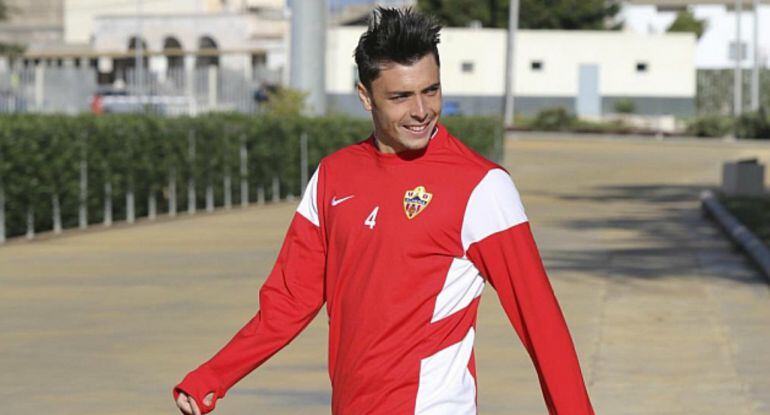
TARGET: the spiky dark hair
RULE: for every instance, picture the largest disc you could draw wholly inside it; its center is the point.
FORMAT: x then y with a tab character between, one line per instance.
400	36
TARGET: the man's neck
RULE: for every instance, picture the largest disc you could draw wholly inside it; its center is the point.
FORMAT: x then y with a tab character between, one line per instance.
386	149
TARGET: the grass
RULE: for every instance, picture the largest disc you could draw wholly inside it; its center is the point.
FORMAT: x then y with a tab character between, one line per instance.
753	212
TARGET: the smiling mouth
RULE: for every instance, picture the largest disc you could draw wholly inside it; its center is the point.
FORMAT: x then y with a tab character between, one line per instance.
419	128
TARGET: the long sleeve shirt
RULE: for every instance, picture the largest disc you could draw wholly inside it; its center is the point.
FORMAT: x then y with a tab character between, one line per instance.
400	247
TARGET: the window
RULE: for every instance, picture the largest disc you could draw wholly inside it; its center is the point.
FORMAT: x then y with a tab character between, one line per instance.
536	66
259	59
641	67
208	52
732	53
467	67
172	48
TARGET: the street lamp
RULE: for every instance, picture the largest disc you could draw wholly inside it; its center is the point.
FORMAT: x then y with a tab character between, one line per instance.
513	26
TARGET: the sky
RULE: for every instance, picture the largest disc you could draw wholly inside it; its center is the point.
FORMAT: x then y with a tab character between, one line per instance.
333	4
712	49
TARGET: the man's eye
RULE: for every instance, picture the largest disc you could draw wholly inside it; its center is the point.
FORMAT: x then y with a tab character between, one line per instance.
432	91
397	98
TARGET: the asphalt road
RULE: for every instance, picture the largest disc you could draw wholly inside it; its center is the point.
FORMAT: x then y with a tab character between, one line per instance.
666	317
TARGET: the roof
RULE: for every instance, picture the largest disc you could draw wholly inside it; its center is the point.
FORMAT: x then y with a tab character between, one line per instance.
676	4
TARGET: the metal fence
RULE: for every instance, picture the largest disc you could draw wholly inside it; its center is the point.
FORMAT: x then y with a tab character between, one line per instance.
71	90
715	89
48	90
232	190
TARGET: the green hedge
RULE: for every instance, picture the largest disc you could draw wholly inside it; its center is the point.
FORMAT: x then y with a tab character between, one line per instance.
750	125
40	156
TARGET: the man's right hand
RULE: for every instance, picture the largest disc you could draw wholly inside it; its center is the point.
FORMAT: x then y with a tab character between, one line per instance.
187	404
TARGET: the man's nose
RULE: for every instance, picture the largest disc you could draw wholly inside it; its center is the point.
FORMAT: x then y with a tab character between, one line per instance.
419	110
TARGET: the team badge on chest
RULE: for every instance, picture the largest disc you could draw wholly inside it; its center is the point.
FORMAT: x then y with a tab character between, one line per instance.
415	201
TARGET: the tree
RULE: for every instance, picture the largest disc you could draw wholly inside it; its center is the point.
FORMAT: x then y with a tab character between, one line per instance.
687	22
533	14
285	102
9	49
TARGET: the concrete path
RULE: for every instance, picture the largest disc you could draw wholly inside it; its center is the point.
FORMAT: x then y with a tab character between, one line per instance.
667	319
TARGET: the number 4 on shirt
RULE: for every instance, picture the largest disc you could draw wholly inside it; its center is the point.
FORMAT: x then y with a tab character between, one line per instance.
371	220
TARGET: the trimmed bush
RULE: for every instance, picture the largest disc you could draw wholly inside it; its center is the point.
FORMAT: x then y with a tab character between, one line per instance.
753	125
41	157
710	126
624	106
553	119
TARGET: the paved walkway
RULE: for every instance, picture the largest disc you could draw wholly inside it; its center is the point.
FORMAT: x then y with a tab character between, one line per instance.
667	319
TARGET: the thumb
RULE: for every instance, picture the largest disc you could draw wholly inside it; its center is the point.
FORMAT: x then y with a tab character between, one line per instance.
208	399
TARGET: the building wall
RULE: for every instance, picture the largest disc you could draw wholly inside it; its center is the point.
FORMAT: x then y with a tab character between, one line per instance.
525	105
667	86
712	50
33	21
669	59
262	4
80	15
237	37
229	31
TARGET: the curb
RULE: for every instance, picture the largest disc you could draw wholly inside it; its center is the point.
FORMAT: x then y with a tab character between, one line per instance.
742	236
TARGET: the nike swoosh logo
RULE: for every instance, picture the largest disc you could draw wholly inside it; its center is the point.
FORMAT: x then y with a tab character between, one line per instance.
336	201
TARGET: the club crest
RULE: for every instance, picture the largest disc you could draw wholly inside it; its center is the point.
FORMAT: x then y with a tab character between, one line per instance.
415	201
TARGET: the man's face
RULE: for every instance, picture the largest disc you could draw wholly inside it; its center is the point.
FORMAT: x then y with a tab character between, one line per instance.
405	102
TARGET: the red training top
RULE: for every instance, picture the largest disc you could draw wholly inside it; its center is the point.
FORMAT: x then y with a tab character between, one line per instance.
400	247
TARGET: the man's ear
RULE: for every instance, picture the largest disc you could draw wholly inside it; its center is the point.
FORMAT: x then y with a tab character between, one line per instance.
363	95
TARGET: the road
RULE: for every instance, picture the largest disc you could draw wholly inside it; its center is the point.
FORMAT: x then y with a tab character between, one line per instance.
667	318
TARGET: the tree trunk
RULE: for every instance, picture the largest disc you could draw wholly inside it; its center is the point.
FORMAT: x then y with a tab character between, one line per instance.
2	214
56	213
172	193
130	213
261	195
108	204
30	223
191	196
209	197
244	174
228	192
276	190
152	206
83	205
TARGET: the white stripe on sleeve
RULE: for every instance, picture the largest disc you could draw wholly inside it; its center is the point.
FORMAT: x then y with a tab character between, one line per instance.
494	206
308	206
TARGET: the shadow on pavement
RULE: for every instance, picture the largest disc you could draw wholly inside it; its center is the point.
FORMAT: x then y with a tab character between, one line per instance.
664	234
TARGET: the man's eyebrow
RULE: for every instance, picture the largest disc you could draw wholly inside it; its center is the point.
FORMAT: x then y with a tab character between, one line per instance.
408	93
400	93
434	86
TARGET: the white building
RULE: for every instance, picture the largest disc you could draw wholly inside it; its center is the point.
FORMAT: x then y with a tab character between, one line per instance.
586	71
32	21
716	48
209	54
235	41
87	32
80	15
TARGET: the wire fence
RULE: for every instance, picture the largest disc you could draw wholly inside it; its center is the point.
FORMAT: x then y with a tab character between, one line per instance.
106	198
38	89
177	91
715	90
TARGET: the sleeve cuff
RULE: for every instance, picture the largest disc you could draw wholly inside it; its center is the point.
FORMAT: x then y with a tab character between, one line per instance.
199	383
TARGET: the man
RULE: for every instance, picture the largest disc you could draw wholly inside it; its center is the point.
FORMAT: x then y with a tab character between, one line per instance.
399	234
